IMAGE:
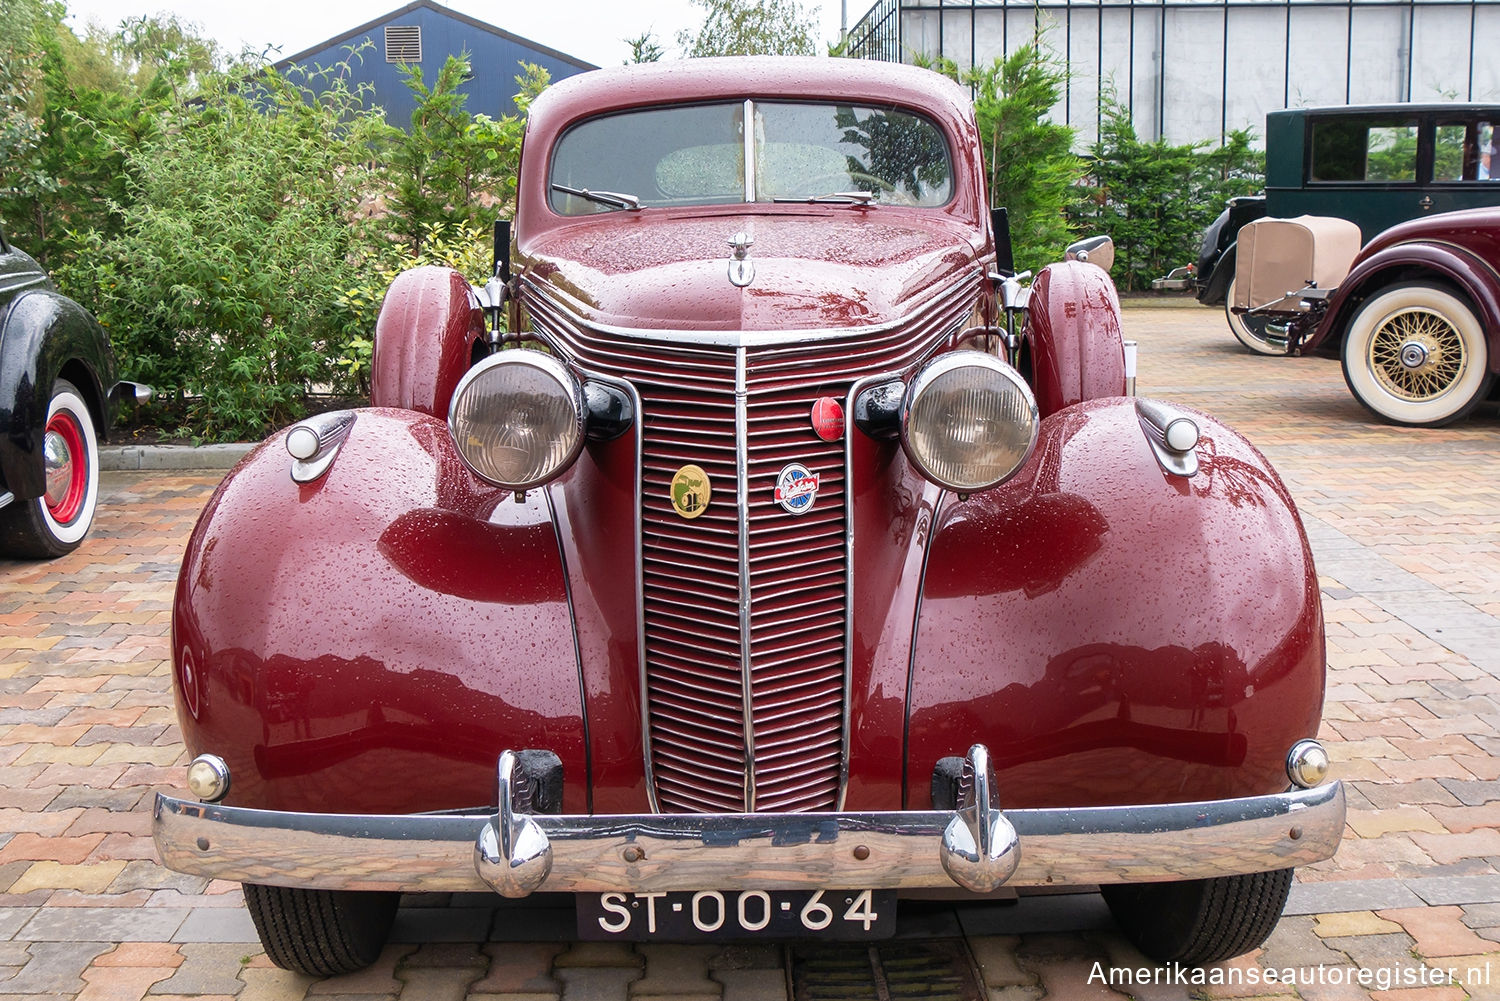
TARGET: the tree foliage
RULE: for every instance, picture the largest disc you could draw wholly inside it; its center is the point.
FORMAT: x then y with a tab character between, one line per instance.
452	169
751	28
644	48
1156	198
223	288
1029	161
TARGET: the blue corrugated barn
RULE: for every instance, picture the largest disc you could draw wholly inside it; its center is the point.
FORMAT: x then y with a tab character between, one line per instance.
426	34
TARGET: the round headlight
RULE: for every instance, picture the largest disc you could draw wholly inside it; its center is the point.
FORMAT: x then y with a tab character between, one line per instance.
969	421
517	418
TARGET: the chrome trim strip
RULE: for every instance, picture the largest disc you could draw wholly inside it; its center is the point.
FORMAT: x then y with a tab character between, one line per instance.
748	126
6	497
1059	847
583	694
849	430
757	338
742	502
640	572
24	280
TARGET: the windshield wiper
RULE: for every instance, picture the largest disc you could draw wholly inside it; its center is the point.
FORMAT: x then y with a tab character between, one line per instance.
834	197
614	198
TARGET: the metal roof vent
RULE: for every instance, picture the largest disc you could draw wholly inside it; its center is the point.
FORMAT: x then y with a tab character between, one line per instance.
403	43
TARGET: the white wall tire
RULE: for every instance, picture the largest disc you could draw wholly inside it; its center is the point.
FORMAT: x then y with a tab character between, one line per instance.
1415	354
1250	330
56	522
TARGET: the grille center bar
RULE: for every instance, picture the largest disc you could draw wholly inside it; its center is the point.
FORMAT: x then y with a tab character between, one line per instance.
742	503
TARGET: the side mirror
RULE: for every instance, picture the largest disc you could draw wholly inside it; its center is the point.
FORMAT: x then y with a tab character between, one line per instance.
1005	259
502	250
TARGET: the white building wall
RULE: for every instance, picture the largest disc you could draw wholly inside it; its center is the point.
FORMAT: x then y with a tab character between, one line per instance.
1191	69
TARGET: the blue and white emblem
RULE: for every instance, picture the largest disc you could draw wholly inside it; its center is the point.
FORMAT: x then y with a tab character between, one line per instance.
796	488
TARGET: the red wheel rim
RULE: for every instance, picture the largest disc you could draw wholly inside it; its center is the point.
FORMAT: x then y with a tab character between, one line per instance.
65	503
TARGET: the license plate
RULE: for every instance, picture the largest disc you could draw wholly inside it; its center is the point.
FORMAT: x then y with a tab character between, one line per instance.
684	916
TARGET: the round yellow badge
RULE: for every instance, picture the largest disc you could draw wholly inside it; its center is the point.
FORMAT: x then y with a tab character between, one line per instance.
691	491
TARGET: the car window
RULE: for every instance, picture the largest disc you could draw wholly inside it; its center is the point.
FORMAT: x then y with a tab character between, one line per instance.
695	155
1364	151
1464	151
806	150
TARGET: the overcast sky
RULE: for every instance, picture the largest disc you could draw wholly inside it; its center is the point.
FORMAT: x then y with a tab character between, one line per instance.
592	30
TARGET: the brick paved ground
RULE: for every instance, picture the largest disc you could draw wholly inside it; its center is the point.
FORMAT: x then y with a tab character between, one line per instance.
1406	529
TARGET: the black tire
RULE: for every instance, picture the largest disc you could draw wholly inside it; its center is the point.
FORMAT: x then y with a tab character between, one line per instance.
55	523
1252	329
1415	354
321	933
1200	921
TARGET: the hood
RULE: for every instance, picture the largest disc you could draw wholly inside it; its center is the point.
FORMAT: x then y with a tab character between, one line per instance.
843	267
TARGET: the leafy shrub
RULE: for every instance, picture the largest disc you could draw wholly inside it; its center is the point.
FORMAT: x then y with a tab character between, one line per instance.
1029	161
1156	198
225	288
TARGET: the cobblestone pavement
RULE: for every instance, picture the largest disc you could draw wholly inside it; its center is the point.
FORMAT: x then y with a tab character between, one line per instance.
1406	530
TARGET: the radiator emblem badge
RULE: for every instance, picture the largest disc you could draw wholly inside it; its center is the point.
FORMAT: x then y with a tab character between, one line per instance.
691	490
796	488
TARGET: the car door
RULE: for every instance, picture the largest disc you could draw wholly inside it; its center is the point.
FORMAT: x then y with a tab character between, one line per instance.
1466	159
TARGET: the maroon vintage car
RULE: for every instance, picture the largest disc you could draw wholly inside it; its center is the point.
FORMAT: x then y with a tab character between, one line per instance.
1414	315
757	576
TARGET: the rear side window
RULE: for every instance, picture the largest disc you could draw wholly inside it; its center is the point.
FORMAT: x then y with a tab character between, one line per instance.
1464	150
1377	152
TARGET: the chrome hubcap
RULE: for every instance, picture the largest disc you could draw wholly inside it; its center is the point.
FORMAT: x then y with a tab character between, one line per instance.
58	463
1413	355
1417	355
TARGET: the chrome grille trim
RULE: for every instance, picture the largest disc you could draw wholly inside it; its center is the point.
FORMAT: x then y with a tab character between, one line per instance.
792	703
742	506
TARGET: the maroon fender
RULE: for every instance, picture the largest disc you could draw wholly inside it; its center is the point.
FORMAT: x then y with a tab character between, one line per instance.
392	621
1116	635
1073	334
425	338
1404	262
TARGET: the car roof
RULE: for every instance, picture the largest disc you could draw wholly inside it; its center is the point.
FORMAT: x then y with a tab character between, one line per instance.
734	77
1439	107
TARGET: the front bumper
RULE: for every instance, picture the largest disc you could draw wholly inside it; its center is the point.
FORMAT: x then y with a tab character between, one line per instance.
977	847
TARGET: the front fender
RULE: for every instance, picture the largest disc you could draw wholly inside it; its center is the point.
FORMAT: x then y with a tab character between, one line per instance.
1073	335
371	641
426	336
1406	262
42	334
1115	634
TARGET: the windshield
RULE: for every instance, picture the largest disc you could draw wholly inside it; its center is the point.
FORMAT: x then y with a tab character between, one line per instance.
696	155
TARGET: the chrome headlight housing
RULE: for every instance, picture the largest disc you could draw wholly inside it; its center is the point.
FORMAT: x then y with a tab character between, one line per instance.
518	418
968	421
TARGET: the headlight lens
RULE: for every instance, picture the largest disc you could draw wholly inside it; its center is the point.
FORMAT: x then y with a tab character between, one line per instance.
517	418
969	421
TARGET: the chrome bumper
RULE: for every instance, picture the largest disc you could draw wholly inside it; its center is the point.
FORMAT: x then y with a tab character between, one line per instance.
978	846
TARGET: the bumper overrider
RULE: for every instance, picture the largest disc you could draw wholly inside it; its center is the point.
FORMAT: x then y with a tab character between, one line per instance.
977	846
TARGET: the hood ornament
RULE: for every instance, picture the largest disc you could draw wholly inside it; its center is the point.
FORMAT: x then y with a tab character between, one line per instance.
741	269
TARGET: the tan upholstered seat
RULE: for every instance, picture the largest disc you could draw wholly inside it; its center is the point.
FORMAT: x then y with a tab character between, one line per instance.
1281	256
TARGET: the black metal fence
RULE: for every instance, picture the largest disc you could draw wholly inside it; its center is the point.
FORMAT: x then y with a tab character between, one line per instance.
1193	69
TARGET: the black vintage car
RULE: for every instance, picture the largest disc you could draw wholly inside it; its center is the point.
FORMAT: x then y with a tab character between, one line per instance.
1375	165
58	394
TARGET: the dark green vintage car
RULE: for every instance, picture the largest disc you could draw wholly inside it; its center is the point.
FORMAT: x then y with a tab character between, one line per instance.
1375	165
58	392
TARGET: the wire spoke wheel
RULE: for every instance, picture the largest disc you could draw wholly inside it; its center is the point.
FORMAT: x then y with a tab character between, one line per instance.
1416	354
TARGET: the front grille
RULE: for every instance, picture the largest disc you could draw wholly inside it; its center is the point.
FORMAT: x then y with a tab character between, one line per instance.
722	738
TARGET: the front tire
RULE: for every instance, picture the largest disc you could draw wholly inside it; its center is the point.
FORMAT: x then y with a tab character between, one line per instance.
321	933
55	523
1200	921
1251	329
1415	354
